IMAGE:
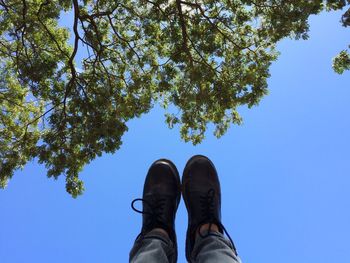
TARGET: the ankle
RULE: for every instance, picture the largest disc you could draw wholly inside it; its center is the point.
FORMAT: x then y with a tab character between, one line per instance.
205	228
161	231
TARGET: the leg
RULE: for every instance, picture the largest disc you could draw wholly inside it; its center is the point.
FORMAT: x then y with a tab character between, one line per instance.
155	246
213	247
201	191
161	197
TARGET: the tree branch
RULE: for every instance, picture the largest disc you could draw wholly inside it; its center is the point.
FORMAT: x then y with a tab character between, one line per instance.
184	31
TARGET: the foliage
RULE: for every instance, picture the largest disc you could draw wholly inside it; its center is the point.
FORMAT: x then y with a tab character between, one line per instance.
203	57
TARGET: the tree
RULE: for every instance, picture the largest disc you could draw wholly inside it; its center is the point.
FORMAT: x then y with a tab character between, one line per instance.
203	57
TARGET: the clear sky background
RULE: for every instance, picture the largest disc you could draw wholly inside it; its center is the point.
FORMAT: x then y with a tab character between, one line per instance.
285	175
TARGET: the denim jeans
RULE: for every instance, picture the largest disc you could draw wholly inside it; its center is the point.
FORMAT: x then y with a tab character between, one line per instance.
158	248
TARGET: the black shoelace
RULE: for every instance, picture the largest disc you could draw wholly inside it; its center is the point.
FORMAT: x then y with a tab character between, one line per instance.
155	215
207	209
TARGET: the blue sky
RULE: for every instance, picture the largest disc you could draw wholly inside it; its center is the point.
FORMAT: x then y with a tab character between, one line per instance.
284	173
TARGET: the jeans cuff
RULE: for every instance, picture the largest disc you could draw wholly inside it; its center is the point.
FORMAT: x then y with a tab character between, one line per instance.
158	235
200	239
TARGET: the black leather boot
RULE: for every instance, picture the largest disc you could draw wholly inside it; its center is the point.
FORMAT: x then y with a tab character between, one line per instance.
161	197
202	195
